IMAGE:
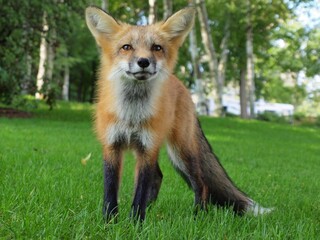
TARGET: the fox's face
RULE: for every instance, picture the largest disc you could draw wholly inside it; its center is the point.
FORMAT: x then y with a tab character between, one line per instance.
139	53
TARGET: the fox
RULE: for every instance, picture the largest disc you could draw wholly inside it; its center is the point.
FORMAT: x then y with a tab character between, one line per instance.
141	106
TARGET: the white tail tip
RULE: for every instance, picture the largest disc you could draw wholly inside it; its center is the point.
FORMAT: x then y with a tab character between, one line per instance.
255	209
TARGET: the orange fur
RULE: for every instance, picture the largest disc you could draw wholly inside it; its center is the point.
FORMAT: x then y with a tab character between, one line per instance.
140	105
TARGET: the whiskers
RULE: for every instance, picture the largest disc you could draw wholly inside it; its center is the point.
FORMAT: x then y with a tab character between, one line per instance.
162	73
116	74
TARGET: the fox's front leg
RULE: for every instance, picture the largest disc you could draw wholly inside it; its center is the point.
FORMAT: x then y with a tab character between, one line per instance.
147	184
111	168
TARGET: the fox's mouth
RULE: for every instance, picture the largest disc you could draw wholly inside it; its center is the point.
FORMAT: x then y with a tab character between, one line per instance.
143	75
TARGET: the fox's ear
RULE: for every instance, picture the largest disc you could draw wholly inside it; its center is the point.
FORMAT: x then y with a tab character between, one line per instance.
100	23
179	24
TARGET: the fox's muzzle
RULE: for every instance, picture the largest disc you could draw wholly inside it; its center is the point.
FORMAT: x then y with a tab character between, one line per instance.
142	68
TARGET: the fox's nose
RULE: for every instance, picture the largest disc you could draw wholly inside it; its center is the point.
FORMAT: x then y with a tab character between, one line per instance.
143	62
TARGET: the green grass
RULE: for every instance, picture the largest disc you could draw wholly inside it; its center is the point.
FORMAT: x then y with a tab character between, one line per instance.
45	191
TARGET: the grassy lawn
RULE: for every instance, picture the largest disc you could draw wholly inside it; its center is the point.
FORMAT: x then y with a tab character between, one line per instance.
45	191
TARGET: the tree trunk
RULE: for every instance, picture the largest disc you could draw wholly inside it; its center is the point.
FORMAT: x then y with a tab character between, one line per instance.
167	8
213	60
243	94
26	80
66	80
224	54
201	105
79	90
50	57
296	97
27	77
152	11
250	61
42	58
105	5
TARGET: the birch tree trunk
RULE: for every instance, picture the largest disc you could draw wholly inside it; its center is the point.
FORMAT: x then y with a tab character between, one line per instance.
250	61
104	5
201	105
243	94
152	12
66	81
42	58
213	60
224	55
167	8
50	58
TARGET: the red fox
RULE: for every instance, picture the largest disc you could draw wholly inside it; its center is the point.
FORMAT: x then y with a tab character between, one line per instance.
141	105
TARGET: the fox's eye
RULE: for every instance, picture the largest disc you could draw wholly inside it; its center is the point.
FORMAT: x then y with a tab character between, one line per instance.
127	47
156	48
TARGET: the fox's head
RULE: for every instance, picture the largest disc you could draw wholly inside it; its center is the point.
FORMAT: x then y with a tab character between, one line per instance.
139	53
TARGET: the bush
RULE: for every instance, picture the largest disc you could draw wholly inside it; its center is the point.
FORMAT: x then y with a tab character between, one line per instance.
272	117
7	87
25	102
299	116
317	122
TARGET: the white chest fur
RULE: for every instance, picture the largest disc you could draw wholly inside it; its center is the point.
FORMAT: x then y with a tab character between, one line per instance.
121	133
135	101
135	105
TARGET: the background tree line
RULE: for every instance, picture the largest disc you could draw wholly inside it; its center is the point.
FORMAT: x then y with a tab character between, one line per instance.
46	50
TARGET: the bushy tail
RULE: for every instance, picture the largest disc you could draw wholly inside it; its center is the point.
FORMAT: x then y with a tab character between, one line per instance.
209	180
221	190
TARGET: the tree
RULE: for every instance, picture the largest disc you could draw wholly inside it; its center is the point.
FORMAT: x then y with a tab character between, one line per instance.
43	55
250	58
217	65
280	72
312	63
19	36
252	29
313	52
152	11
105	5
66	79
167	8
219	41
201	105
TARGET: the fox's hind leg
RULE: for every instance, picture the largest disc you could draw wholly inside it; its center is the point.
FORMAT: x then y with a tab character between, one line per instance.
147	183
155	185
187	166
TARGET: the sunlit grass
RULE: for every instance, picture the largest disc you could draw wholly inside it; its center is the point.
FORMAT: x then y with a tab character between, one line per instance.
45	191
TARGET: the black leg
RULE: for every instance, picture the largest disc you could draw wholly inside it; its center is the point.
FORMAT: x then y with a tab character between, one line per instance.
111	185
155	185
195	177
142	192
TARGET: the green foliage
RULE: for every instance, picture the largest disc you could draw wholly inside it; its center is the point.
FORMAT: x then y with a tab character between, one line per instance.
273	117
274	90
313	53
7	87
280	64
298	116
21	30
301	118
317	121
25	102
47	193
